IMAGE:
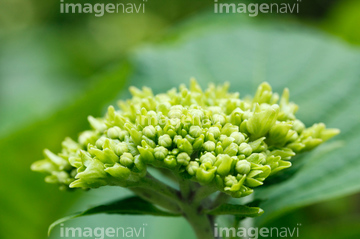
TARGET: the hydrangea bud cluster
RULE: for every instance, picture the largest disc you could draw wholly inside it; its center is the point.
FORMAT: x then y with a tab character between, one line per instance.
211	137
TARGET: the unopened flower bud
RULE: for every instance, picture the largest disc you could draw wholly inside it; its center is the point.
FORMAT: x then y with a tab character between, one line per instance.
114	132
209	146
121	148
205	173
208	158
223	163
183	159
118	171
160	152
170	161
195	131
192	168
127	159
165	141
215	131
239	137
244	148
243	167
149	131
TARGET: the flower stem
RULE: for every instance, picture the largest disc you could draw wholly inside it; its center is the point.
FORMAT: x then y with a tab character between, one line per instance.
154	184
157	199
200	222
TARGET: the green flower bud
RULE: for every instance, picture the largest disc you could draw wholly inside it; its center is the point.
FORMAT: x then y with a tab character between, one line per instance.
262	120
100	142
239	137
256	145
149	131
232	149
223	163
227	141
198	142
118	171
279	133
43	166
114	132
195	131
183	159
256	158
136	136
244	148
127	159
243	167
236	116
70	145
57	160
170	161
88	137
139	164
160	153
192	168
298	126
189	138
263	93
165	141
121	148
185	146
233	184
97	124
205	173
327	134
107	156
208	158
228	129
218	118
92	177
146	154
209	146
214	131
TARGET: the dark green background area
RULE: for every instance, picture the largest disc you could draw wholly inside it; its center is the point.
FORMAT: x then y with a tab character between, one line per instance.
55	69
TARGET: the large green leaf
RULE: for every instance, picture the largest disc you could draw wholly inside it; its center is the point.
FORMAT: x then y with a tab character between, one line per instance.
129	206
323	76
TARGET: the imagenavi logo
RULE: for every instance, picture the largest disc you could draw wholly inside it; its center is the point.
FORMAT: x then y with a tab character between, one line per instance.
253	9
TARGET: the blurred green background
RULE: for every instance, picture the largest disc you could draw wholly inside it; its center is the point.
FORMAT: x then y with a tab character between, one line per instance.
55	69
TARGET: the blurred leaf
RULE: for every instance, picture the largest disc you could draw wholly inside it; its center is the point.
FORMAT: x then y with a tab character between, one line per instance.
323	76
238	210
23	192
130	206
343	21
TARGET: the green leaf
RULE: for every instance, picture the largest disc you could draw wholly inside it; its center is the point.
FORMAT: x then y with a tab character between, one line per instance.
25	146
130	206
323	76
237	210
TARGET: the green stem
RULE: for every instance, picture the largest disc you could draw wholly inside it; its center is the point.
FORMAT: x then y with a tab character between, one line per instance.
155	185
185	188
200	222
219	200
202	193
157	199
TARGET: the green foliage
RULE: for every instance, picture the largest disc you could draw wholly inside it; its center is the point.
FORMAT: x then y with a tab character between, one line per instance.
238	210
322	75
128	206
